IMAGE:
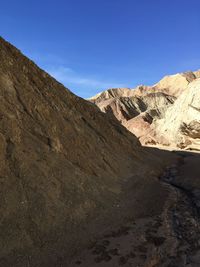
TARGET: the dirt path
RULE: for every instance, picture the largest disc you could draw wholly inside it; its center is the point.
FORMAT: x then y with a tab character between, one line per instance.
169	240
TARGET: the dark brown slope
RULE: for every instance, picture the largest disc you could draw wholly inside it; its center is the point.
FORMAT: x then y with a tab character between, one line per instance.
63	164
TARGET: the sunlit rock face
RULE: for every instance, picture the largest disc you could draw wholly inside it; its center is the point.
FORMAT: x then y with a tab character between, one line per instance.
181	123
146	111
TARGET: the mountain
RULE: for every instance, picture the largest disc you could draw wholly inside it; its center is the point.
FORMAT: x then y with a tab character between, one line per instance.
111	93
77	188
65	167
144	109
171	85
175	84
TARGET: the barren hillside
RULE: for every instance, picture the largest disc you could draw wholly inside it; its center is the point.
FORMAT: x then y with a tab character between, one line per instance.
63	166
77	188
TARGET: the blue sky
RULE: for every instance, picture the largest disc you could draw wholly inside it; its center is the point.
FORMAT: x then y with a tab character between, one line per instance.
91	45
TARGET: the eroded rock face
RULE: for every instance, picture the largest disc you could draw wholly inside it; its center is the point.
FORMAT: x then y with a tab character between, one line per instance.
138	111
146	111
111	93
181	122
123	108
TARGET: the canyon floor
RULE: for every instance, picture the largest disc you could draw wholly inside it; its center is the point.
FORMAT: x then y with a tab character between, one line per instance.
170	239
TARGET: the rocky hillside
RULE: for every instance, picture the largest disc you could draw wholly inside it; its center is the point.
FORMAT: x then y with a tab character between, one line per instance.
148	111
77	188
64	166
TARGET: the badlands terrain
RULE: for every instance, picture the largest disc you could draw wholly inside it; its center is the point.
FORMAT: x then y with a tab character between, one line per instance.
77	188
167	113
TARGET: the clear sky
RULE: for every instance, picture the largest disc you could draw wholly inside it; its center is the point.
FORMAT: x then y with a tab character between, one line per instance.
91	45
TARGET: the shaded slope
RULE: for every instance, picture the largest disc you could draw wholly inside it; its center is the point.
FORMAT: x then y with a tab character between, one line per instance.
59	158
63	167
